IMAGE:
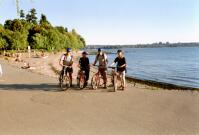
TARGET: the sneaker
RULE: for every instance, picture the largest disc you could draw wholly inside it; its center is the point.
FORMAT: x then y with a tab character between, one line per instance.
85	84
105	87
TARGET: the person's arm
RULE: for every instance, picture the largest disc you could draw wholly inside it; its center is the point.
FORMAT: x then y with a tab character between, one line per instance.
71	61
114	62
79	64
96	59
89	66
123	66
106	58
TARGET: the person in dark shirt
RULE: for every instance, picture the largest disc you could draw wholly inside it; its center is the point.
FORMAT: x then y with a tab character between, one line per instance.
120	60
84	65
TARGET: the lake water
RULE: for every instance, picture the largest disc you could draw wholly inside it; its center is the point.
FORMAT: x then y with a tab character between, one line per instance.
179	65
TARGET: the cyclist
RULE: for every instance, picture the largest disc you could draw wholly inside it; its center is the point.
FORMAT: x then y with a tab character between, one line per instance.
101	57
66	60
84	65
121	66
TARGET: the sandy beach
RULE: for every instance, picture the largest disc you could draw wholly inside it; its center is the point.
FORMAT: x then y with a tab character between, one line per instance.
31	104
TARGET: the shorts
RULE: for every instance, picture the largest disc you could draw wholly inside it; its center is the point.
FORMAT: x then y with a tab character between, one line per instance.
67	70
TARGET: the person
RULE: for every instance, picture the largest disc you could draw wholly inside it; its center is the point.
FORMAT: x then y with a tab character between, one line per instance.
66	60
120	60
84	65
101	57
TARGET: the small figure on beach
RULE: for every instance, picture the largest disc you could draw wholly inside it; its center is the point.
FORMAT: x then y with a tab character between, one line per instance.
120	60
101	57
26	66
84	66
66	61
43	55
18	57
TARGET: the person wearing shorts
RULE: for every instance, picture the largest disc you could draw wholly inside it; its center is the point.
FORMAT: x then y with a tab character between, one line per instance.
120	60
101	57
66	61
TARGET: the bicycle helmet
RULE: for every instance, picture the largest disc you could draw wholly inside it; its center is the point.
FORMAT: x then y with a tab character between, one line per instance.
68	49
99	49
84	52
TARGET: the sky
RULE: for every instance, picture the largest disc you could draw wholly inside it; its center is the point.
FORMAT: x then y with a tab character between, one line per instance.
111	22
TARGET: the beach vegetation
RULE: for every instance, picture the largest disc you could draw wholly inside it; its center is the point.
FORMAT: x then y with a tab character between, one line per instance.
38	33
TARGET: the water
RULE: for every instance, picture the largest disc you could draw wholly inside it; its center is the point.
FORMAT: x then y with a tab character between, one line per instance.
178	65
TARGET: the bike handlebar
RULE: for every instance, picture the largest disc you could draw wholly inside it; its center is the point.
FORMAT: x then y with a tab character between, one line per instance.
112	67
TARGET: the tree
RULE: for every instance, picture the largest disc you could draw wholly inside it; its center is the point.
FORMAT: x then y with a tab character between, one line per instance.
8	24
22	14
31	16
19	33
61	29
43	19
2	43
16	25
18	41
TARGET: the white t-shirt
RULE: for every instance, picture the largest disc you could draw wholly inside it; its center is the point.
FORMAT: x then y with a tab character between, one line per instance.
66	59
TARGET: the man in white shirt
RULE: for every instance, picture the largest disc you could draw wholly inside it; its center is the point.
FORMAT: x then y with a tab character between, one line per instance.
101	57
66	60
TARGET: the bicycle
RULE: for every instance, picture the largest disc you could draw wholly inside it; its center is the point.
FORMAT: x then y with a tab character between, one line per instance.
95	81
81	79
115	76
64	80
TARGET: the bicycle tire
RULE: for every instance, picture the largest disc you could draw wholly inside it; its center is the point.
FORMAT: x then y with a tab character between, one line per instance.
115	83
81	81
95	82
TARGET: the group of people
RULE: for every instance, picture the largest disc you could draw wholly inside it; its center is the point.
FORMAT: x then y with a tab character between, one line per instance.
67	61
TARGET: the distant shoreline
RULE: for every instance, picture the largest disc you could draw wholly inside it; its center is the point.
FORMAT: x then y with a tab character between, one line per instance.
154	45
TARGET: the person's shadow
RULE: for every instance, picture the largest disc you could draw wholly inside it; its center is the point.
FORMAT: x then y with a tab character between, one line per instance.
52	87
27	87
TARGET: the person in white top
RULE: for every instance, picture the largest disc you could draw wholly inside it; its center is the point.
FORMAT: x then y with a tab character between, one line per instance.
101	57
66	60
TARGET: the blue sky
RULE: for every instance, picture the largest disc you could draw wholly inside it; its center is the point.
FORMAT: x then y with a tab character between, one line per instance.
118	21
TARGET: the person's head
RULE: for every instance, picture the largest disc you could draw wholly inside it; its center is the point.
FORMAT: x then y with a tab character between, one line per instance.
68	50
120	53
100	51
84	54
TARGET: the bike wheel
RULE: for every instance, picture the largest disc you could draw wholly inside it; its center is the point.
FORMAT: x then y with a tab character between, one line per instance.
81	82
67	82
115	83
78	81
95	82
61	82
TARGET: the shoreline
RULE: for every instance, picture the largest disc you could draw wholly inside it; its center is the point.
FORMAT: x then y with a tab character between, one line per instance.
162	85
51	69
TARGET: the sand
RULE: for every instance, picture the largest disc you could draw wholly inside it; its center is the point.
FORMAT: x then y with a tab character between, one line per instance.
31	104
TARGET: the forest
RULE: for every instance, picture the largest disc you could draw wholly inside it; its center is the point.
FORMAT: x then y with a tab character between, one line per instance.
38	33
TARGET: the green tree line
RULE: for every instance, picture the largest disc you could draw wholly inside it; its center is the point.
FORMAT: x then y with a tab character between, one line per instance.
28	30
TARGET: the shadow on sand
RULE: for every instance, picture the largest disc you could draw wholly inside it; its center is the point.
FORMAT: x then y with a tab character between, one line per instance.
26	87
53	87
